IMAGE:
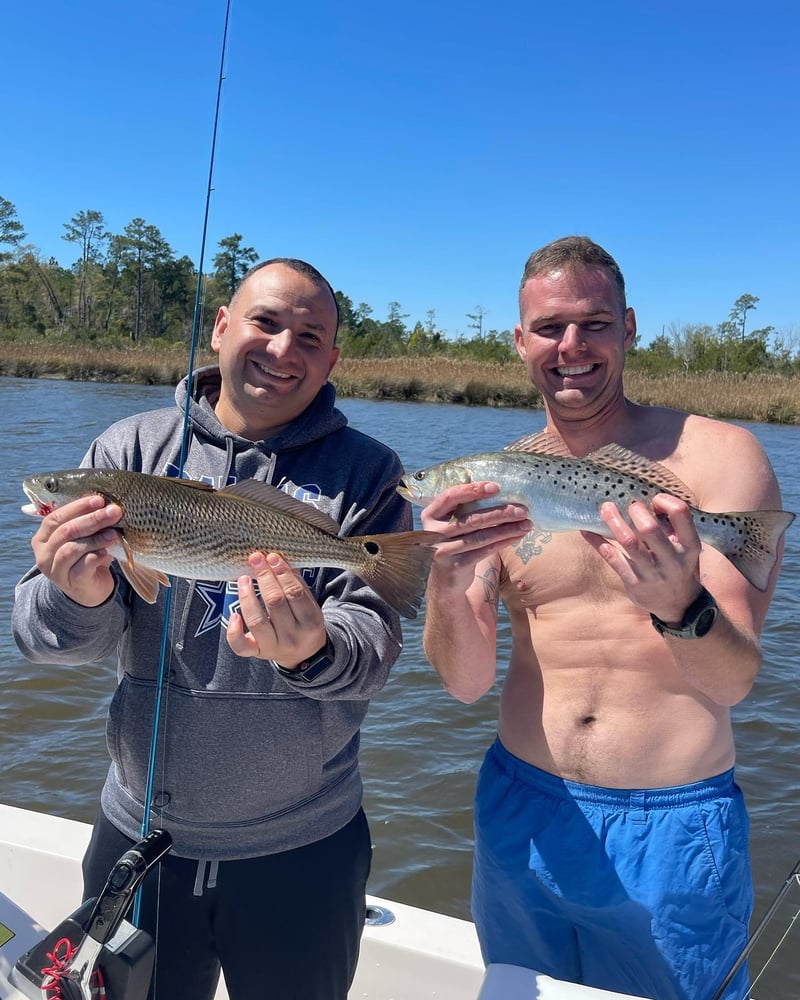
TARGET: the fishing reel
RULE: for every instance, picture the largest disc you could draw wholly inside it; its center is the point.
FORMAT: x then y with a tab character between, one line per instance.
95	953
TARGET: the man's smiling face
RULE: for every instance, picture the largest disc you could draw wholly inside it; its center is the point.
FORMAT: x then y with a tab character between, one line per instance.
276	347
573	336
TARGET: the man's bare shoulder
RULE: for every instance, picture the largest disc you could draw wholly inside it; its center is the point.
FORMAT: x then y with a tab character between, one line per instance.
719	444
723	464
712	428
666	429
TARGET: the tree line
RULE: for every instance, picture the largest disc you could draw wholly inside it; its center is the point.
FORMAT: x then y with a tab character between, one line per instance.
130	287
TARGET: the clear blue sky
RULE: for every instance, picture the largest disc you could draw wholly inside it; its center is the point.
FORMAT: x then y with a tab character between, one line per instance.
418	151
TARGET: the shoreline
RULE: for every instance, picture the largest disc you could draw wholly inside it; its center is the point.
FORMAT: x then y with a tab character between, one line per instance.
762	397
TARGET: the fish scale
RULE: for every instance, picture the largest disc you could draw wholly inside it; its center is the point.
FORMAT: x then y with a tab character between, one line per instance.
168	534
564	493
183	528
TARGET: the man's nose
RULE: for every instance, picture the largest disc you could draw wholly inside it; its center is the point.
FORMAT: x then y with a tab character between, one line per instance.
281	343
572	339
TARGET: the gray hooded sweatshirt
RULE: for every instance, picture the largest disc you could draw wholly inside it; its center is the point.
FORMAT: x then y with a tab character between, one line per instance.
248	762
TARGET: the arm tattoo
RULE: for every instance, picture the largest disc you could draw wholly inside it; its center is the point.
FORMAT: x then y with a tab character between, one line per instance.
491	586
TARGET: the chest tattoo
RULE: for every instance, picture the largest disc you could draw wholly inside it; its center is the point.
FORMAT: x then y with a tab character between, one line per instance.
532	544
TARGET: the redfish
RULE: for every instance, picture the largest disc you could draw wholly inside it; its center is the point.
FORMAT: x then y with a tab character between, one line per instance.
188	529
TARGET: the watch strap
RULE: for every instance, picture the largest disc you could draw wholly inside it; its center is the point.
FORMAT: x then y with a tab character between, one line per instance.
308	670
697	620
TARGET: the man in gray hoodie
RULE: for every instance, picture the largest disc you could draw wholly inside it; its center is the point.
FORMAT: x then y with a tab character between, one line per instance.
266	685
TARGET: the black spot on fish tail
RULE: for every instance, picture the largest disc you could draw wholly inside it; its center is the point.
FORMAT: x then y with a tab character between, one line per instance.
397	567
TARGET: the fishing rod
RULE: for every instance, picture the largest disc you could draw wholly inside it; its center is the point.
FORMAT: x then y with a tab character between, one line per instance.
792	878
196	332
198	296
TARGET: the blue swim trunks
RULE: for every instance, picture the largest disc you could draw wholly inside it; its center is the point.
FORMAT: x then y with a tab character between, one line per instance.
646	892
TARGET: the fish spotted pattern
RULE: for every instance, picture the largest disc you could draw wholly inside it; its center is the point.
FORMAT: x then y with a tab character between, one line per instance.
564	493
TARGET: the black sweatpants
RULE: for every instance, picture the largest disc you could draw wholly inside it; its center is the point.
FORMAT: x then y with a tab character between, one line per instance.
282	927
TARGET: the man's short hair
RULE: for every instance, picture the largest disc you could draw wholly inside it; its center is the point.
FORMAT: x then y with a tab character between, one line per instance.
571	252
302	267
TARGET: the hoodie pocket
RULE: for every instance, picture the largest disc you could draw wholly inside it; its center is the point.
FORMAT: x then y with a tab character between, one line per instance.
223	759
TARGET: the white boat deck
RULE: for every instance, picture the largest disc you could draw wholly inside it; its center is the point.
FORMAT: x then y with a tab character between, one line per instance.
419	955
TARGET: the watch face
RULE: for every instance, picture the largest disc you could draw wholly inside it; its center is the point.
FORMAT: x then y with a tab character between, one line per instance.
705	620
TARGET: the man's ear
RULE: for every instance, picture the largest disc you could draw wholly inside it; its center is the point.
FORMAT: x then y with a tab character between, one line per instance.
630	328
220	325
335	351
519	342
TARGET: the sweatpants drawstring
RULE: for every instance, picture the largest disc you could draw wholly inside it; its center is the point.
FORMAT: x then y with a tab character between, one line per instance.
200	877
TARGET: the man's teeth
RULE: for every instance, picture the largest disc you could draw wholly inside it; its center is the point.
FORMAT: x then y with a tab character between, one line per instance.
575	370
270	371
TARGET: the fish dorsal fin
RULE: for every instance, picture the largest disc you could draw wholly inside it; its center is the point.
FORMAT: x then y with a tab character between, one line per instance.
270	496
542	443
614	456
610	456
192	484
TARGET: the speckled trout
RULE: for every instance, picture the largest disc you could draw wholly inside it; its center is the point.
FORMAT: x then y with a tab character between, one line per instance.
188	529
564	493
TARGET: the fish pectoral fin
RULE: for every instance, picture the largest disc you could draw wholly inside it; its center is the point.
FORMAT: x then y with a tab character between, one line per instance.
270	496
145	581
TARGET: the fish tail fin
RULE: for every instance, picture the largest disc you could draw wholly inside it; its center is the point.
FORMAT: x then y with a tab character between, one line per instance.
397	567
144	581
755	550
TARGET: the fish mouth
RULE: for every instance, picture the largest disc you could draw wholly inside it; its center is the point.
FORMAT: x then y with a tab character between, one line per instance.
409	493
36	508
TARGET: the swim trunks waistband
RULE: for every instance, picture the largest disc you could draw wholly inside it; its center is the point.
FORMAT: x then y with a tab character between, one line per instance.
639	798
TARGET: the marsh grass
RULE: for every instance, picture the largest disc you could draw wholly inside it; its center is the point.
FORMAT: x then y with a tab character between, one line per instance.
94	364
763	397
435	380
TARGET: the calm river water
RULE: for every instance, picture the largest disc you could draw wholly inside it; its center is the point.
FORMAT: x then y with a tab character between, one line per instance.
420	749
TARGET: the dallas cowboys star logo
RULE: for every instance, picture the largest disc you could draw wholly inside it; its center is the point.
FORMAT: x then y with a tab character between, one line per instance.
221	601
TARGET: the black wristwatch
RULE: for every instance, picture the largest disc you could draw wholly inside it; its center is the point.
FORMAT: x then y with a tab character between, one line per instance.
311	668
697	619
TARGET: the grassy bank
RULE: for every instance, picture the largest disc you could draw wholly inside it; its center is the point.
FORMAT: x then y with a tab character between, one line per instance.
768	398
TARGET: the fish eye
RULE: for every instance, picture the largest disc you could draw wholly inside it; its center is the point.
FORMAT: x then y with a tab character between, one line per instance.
419	476
51	484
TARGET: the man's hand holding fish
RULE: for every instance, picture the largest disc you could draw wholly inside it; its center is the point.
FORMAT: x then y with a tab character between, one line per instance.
655	551
472	537
71	547
283	620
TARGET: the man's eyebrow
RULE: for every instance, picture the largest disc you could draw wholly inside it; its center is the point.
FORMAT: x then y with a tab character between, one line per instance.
588	314
264	310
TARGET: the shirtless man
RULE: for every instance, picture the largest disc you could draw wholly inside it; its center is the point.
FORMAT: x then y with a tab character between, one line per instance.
611	839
